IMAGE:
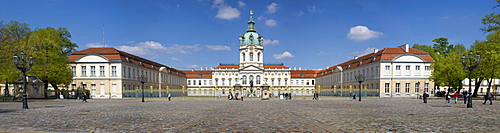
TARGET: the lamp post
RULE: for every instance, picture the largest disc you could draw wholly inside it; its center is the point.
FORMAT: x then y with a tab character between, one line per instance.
360	78
23	66
143	79
470	63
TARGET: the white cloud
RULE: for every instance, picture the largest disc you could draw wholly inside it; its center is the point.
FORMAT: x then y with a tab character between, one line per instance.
241	4
301	12
271	42
272	8
218	47
193	66
271	22
94	44
137	50
183	49
362	33
261	17
323	54
151	45
363	52
225	11
284	55
312	8
175	59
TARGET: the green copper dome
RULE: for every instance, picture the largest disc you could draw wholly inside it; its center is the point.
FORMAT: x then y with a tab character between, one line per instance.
251	37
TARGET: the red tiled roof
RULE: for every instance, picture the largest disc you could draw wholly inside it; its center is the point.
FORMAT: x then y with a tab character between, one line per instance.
114	54
386	54
198	73
304	73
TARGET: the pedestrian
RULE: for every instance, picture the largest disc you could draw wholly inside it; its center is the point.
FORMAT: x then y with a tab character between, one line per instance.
488	96
448	97
455	96
425	97
464	94
84	97
354	95
169	96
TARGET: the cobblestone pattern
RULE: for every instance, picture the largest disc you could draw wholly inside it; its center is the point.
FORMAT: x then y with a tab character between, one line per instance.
219	115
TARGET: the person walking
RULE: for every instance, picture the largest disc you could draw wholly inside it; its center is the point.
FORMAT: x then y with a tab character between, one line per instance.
425	96
488	96
169	96
455	96
354	95
84	97
448	97
464	94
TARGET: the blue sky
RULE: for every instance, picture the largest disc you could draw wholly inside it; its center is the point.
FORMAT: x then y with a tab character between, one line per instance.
306	34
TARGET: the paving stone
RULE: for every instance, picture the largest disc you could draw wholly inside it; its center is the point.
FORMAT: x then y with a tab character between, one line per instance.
222	115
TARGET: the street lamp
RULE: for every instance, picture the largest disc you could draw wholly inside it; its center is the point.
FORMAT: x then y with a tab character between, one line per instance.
23	66
470	63
360	78
143	79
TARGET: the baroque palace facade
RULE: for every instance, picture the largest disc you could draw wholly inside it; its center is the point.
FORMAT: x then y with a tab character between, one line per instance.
391	72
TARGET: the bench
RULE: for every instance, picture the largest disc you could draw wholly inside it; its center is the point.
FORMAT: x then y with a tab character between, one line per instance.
8	98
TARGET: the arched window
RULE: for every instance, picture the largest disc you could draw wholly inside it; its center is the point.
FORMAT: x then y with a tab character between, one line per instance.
243	54
251	56
244	79
258	80
251	79
258	56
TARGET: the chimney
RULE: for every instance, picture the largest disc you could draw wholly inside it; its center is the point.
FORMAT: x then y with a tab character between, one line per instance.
375	50
405	47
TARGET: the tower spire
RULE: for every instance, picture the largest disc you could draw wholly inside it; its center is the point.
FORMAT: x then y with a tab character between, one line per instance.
251	23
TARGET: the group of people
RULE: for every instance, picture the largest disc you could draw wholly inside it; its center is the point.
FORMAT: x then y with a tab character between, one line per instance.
465	94
316	96
235	97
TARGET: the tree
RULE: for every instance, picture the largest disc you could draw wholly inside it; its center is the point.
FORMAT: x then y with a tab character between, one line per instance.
13	38
490	59
446	70
49	46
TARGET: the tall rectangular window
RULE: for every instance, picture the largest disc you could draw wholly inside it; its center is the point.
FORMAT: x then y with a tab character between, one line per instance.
398	86
73	70
92	70
427	70
408	70
387	70
426	87
417	70
124	71
84	70
101	71
417	87
129	73
407	88
113	70
387	87
398	70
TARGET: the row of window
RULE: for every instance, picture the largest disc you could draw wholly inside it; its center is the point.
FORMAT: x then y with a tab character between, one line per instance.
236	74
251	56
102	71
279	81
127	72
407	88
407	70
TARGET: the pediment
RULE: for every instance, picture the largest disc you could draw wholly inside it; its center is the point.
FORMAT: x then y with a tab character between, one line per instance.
251	68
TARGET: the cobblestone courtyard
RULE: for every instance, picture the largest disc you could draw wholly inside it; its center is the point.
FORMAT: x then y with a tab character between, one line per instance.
222	115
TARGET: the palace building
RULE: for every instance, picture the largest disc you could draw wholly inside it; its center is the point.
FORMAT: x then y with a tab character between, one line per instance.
251	73
391	72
